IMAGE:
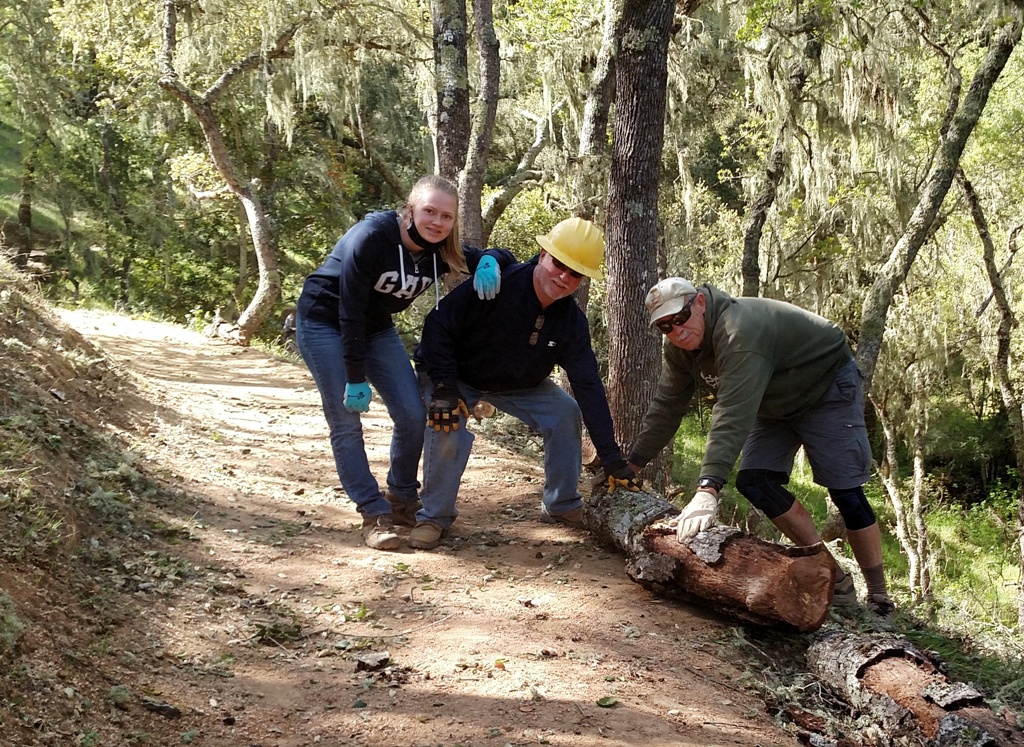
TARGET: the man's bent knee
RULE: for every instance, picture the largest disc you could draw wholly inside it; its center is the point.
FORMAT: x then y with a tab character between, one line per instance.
853	507
764	489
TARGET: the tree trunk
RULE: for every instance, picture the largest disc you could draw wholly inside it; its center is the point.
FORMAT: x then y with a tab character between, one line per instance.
591	162
999	362
722	568
108	173
951	146
124	279
632	227
904	692
451	81
26	237
269	286
471	180
751	265
924	578
893	484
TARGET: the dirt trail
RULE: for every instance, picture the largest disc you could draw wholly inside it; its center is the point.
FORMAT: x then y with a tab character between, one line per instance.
509	633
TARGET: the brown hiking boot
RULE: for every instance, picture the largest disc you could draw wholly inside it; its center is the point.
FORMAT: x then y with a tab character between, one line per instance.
403	513
426	535
572	518
379	532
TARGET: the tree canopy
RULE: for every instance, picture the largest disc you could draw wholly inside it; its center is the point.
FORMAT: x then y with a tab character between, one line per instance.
198	158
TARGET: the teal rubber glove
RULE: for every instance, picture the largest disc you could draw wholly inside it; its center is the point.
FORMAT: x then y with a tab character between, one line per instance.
357	397
487	279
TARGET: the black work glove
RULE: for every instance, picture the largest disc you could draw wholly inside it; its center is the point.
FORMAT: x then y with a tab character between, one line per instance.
446	405
619	474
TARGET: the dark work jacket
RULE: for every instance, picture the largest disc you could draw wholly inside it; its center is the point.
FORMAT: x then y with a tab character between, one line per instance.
487	344
369	276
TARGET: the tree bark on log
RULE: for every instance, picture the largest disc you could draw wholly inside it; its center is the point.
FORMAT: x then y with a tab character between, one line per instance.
906	692
903	692
724	568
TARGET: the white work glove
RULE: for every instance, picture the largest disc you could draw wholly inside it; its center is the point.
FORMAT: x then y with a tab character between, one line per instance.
698	515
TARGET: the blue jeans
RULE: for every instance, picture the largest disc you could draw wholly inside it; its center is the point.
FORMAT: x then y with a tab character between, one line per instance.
547	409
390	372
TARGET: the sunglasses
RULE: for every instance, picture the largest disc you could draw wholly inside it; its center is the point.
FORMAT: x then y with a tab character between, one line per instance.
537	326
562	267
665	326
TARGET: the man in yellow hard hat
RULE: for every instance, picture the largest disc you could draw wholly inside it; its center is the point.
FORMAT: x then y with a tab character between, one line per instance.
504	351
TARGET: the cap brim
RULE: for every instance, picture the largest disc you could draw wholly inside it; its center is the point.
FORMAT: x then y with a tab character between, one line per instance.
550	248
669	308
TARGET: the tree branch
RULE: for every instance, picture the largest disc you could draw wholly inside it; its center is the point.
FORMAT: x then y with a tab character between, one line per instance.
951	146
209	194
252	62
524	173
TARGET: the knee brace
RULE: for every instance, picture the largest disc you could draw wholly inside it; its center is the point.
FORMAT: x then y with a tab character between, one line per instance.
853	507
763	488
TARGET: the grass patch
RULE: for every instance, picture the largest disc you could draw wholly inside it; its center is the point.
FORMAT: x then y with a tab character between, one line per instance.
46	219
10	171
690	441
11	627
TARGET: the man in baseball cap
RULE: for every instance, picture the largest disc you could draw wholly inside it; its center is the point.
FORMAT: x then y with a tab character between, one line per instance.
781	378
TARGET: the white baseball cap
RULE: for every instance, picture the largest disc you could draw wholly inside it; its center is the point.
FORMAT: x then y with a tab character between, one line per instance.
668	297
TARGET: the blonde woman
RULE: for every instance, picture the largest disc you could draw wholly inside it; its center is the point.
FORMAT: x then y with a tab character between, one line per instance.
346	336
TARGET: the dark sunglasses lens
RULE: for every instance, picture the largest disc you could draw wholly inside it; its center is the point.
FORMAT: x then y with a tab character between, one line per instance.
565	268
678	320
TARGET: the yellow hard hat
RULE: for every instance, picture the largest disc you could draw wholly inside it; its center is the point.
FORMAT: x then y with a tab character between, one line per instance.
576	243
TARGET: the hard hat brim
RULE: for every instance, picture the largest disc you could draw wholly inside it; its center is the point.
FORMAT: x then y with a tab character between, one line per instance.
550	248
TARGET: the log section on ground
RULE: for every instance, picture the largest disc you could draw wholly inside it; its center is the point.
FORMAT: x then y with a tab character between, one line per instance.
723	568
905	692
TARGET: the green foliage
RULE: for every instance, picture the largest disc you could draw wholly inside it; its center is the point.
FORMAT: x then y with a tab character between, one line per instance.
527	217
10	170
11	626
975	556
180	281
966	453
528	22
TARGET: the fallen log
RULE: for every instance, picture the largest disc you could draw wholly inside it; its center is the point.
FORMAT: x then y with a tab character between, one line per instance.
901	690
906	692
724	568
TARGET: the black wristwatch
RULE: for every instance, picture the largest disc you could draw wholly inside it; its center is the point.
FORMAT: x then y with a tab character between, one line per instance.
710	482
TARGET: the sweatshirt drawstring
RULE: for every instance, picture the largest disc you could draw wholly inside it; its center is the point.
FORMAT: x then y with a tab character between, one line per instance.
401	263
437	291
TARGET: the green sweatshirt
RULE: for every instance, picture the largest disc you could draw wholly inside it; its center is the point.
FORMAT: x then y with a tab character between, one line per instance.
759	357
